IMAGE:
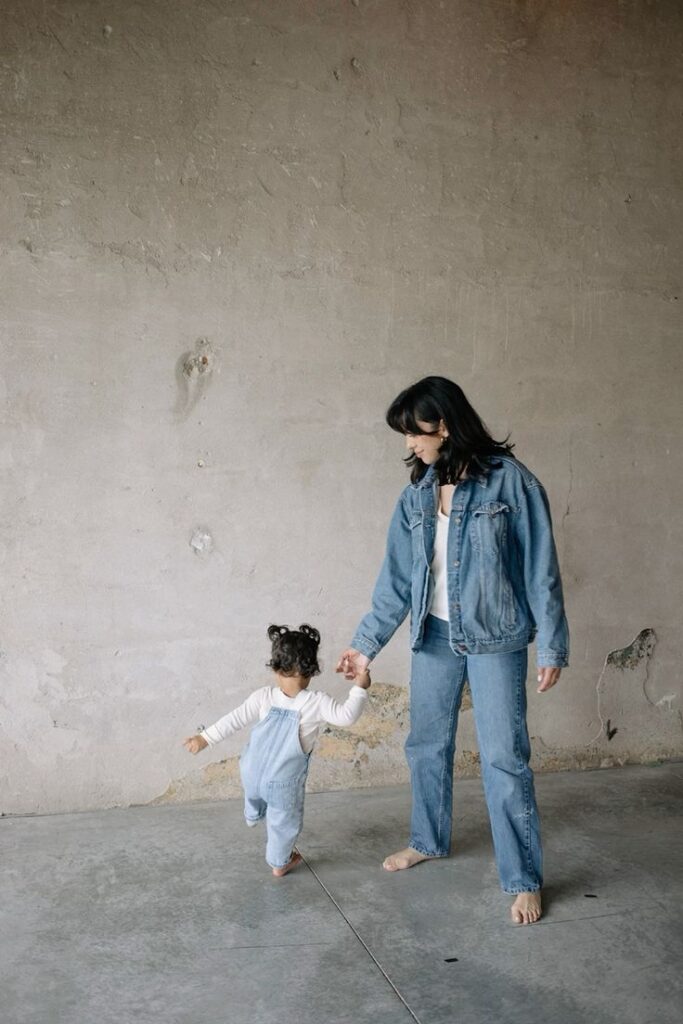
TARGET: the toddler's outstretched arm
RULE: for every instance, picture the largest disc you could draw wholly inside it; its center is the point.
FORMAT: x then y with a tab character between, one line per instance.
243	715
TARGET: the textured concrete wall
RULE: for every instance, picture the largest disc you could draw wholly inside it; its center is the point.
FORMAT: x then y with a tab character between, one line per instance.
231	232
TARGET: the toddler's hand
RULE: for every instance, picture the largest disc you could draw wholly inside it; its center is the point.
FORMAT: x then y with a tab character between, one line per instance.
194	744
363	679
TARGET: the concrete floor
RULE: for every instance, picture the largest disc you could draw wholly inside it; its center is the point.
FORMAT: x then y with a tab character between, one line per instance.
169	914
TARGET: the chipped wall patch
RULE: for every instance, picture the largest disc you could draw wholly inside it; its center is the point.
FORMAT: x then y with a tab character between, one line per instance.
629	657
193	375
219	780
642	647
201	541
371	751
626	709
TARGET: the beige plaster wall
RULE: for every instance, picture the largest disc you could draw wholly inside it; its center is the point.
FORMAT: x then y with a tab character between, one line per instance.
231	232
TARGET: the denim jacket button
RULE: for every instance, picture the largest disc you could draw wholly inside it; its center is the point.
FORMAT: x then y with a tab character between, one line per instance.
458	519
456	564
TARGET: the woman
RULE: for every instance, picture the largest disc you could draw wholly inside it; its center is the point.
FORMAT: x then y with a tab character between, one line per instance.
470	552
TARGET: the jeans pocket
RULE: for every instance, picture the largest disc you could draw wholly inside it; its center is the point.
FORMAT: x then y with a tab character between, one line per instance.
285	794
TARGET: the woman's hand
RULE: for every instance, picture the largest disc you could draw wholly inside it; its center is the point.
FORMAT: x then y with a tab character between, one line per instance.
547	677
194	744
352	663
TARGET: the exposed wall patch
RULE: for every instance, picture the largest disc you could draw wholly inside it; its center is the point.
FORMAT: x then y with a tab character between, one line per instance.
625	705
201	541
193	375
640	648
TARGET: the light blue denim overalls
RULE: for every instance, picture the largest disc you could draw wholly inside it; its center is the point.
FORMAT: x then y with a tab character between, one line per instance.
274	767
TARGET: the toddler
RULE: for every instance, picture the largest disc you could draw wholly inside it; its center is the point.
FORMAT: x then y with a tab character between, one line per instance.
274	764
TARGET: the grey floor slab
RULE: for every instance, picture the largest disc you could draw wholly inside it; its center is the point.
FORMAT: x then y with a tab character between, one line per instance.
169	914
611	956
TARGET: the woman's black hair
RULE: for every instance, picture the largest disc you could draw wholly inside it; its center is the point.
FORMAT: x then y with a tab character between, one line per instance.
295	651
469	445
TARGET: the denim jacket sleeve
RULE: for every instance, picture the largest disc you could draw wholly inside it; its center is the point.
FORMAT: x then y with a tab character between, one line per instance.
391	596
542	577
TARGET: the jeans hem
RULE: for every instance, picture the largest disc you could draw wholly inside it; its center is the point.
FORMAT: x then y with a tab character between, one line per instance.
516	892
426	853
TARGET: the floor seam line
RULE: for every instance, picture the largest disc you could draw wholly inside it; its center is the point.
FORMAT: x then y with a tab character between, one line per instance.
360	939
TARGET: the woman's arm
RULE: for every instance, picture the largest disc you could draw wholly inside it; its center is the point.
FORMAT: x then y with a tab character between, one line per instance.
391	596
542	577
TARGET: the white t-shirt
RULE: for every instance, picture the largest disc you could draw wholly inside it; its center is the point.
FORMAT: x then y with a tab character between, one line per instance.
439	605
313	706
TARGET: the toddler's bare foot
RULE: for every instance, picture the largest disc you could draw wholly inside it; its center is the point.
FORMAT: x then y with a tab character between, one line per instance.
279	872
404	859
527	908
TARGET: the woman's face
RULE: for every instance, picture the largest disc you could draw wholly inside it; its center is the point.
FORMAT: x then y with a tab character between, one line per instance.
426	446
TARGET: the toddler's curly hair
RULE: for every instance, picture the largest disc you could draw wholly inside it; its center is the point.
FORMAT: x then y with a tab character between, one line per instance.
295	651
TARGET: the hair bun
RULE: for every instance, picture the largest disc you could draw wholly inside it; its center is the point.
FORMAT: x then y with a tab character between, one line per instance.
311	632
275	631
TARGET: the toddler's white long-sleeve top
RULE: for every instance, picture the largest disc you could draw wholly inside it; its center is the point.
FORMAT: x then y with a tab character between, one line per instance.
314	707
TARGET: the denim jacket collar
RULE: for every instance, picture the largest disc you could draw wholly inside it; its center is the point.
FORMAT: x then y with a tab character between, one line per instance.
428	479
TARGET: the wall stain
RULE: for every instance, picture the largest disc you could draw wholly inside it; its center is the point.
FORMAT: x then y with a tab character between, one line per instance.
631	656
219	780
193	374
619	701
387	711
201	541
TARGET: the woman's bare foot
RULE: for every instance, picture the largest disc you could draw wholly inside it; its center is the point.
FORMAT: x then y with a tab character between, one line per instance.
404	859
279	872
527	908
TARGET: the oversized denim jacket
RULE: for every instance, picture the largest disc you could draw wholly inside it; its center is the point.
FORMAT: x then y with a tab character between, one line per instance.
504	586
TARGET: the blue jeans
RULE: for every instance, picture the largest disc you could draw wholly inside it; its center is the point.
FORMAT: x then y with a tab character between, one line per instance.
498	686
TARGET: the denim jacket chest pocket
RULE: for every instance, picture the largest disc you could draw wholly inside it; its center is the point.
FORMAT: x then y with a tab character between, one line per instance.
421	530
492	607
491	529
